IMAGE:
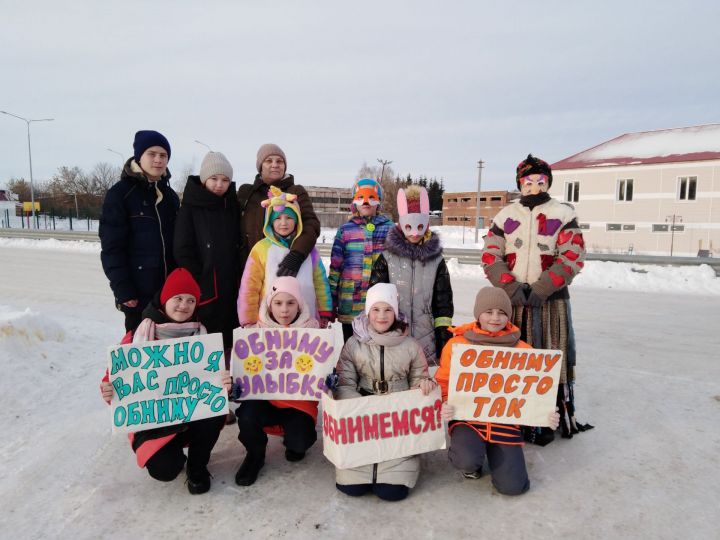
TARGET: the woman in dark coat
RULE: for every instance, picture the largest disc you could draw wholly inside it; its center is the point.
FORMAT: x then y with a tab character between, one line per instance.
207	242
272	171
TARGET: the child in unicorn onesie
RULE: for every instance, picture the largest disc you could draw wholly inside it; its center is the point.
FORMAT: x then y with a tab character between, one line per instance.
295	420
413	262
282	227
534	250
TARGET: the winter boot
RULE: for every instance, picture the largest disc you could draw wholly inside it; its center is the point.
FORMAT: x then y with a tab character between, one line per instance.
291	455
198	480
250	468
473	475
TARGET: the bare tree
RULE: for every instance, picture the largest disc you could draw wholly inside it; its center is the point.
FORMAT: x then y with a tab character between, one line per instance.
20	187
102	177
178	181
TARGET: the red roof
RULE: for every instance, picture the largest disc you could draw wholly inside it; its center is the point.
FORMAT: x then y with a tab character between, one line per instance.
695	143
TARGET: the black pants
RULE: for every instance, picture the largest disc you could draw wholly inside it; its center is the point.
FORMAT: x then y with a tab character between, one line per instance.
200	438
347	331
132	320
387	492
507	462
254	415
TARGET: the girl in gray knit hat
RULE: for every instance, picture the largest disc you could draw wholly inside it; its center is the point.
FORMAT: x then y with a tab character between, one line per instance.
207	242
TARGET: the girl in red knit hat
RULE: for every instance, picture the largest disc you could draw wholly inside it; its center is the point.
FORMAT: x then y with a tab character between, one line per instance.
171	314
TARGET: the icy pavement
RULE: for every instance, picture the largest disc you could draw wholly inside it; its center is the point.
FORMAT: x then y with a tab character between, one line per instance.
648	380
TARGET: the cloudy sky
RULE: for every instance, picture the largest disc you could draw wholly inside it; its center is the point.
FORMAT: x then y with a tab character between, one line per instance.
432	86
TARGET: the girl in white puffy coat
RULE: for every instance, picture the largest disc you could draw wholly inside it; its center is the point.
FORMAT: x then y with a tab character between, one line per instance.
381	358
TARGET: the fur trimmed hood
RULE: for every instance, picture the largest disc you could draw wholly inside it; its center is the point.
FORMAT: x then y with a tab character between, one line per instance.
426	250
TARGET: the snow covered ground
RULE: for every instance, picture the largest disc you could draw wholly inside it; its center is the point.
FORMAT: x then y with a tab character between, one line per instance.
647	378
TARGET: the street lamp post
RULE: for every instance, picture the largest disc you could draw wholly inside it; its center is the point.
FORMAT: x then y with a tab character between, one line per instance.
122	158
383	162
32	190
477	206
205	145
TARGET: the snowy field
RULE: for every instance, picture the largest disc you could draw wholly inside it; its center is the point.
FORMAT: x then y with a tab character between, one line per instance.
648	380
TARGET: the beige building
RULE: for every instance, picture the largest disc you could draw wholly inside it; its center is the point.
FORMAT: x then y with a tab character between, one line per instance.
459	207
647	193
331	204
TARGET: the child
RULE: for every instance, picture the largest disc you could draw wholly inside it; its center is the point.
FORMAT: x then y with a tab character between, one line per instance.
533	251
282	227
470	441
358	244
413	261
207	242
381	358
283	307
160	450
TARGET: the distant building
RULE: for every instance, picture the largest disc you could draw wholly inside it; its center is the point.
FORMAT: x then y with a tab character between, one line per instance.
459	207
331	204
629	191
8	207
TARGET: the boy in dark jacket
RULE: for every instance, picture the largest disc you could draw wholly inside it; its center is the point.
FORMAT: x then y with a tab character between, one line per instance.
136	227
207	242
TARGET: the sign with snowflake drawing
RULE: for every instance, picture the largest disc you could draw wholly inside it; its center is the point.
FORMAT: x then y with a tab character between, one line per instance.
282	363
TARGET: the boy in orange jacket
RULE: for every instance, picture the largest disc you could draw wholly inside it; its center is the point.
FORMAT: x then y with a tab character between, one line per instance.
471	441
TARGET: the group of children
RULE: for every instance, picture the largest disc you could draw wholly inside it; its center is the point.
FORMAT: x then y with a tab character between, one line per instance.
390	289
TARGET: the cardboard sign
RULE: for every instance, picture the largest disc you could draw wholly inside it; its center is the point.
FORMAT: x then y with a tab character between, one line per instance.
282	363
505	385
365	430
166	382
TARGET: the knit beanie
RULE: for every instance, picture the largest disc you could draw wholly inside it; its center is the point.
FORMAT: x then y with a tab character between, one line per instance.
287	210
382	292
532	165
286	284
180	281
491	298
215	163
269	149
145	139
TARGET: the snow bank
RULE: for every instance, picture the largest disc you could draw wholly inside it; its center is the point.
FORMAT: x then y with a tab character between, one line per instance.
51	243
623	276
27	328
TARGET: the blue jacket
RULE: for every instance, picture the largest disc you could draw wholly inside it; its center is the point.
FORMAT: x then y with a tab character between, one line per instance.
136	235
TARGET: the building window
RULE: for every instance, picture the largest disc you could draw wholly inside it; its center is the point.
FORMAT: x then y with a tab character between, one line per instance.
660	227
584	226
452	200
613	227
628	227
496	199
625	190
465	199
687	188
572	191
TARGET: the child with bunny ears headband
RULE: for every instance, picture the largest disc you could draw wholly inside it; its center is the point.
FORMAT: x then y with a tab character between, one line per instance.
413	261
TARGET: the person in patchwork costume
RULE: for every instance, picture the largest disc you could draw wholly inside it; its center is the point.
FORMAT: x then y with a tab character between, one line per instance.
413	261
283	225
358	243
533	251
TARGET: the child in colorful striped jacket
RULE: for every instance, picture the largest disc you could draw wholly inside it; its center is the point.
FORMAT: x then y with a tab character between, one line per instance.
358	243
